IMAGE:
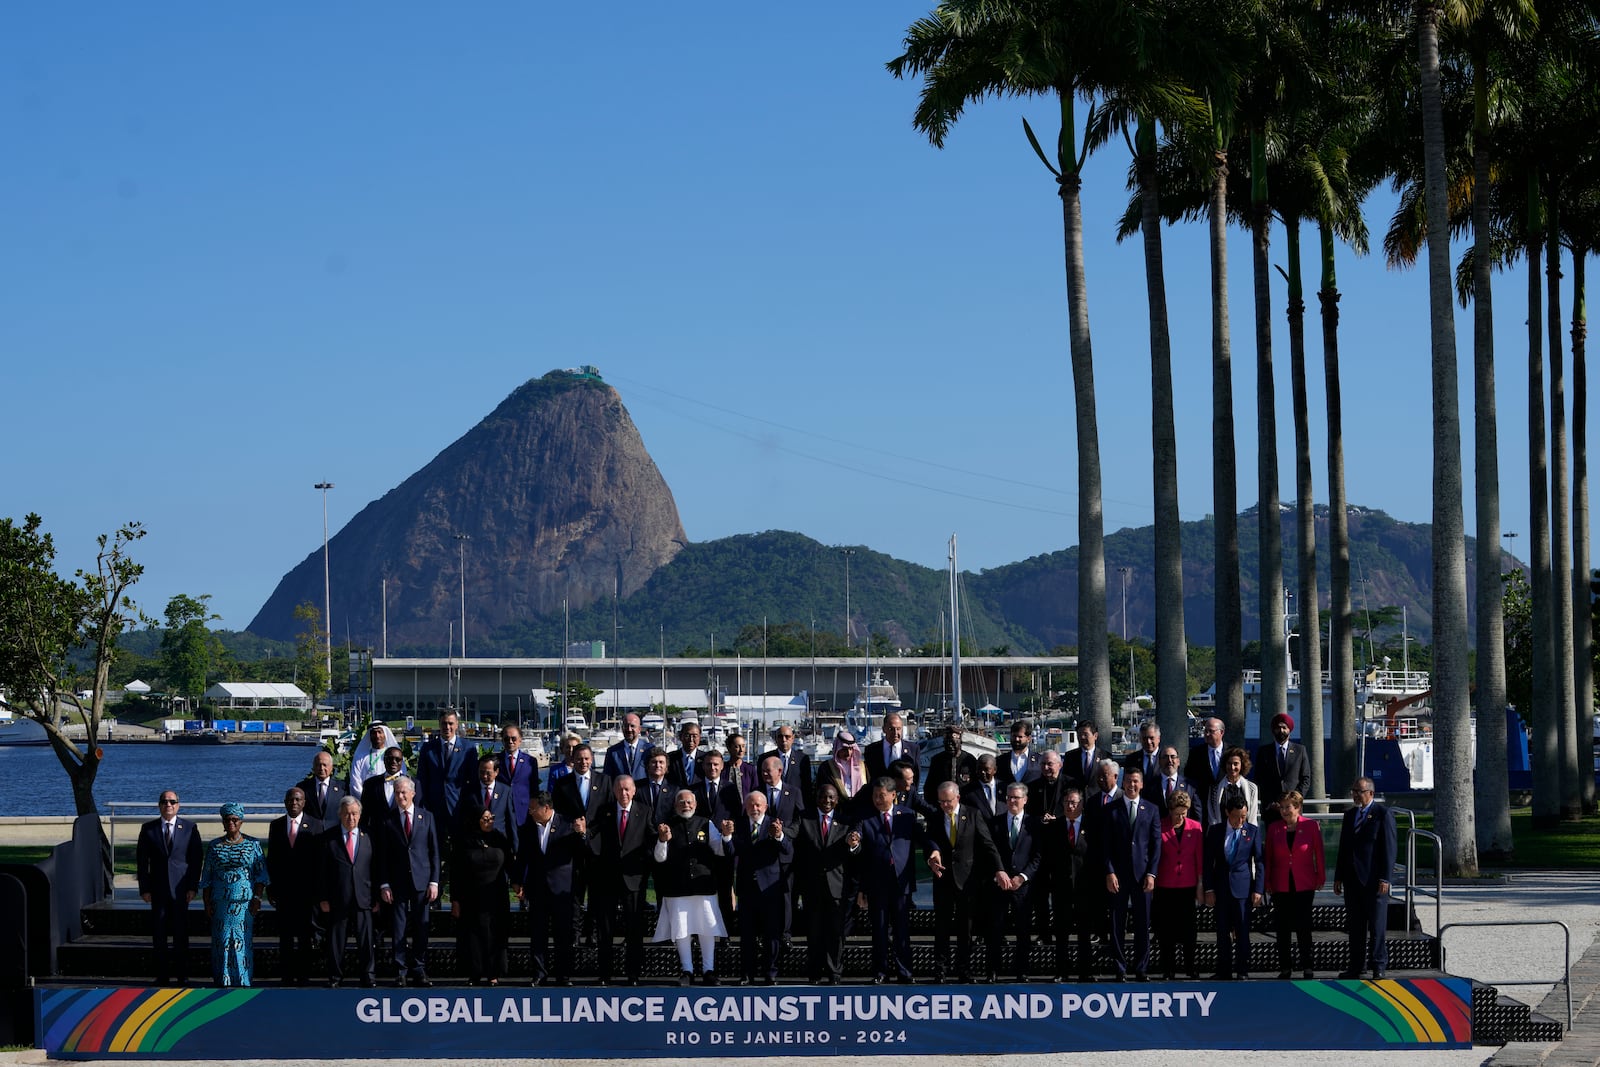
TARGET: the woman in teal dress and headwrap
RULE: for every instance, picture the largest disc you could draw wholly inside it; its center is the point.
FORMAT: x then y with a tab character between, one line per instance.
230	885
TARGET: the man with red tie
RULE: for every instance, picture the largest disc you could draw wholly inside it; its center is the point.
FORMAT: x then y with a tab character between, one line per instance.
1146	759
622	841
492	796
1159	790
410	881
517	771
292	867
822	863
348	894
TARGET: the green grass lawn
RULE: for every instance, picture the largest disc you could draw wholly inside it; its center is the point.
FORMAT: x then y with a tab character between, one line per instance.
34	853
1574	845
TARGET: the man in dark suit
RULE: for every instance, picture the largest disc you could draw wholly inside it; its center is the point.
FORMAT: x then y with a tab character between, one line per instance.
1281	767
796	765
783	801
1204	765
322	793
1046	791
1077	887
949	765
960	838
1146	759
762	851
378	792
893	747
683	765
542	877
168	858
1234	875
1159	790
581	793
716	797
1080	763
1131	838
653	789
1022	763
822	866
627	757
292	868
1366	859
1019	842
885	843
409	846
347	893
985	792
447	765
621	839
517	771
489	794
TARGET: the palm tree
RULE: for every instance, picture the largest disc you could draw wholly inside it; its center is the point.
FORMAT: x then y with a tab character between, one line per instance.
1452	722
1582	215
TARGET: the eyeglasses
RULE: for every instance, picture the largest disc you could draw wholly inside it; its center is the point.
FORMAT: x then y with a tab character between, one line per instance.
1173	756
226	819
169	800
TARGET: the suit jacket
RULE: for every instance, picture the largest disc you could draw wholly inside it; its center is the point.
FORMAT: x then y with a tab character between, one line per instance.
547	872
345	885
1367	852
823	865
375	804
1197	768
409	865
169	876
975	797
717	802
1025	856
788	809
798	777
676	772
1132	849
1305	859
748	778
1004	774
1244	873
1150	768
568	801
621	861
971	858
761	863
441	778
1072	766
292	870
327	814
877	766
962	770
1182	856
1274	784
661	807
1068	856
1252	802
1155	790
617	764
1044	798
886	862
471	806
522	781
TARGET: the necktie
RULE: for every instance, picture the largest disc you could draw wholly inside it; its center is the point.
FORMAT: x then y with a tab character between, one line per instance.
488	797
1149	767
1133	811
627	752
294	828
888	824
786	764
624	832
322	794
755	830
408	826
1168	787
583	789
1361	815
1233	845
167	829
772	798
1216	756
544	837
1016	828
952	831
1283	756
988	792
1072	834
1088	764
350	846
827	822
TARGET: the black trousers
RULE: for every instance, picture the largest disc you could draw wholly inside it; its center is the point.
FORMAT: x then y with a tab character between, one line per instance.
1076	909
761	926
890	911
1367	924
953	912
409	929
170	925
1233	934
1010	912
828	921
604	906
341	924
552	917
294	937
1172	913
1292	915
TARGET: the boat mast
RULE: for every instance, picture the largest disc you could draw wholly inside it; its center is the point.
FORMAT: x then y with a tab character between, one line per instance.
955	635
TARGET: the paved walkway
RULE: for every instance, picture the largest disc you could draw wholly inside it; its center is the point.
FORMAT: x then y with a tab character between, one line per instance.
1581	1046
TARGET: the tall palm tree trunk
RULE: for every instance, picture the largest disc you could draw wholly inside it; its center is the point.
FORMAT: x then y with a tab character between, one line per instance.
1582	636
1341	659
1545	736
1452	715
1094	647
1172	676
1305	541
1269	521
1224	466
1560	532
1492	797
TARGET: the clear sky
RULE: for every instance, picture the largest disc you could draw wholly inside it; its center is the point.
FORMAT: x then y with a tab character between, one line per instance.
246	248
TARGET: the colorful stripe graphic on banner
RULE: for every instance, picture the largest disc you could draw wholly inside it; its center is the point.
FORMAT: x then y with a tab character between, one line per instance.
134	1021
1421	1011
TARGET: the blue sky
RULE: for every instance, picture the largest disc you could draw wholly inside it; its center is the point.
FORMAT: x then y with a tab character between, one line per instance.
246	249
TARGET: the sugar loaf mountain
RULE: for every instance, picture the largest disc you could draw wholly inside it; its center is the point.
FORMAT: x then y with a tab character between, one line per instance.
561	501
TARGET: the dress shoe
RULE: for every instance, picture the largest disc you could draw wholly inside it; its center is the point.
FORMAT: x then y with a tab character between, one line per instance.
334	983
1241	977
766	981
1349	975
1141	977
422	981
708	978
1120	976
905	979
686	978
1379	972
1085	977
1284	976
564	983
369	983
990	979
880	979
1170	976
400	981
937	979
1308	975
963	979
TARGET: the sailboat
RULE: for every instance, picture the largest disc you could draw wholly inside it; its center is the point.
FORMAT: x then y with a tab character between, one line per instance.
978	744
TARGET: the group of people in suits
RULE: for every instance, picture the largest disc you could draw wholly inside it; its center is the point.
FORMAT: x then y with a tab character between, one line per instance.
1094	849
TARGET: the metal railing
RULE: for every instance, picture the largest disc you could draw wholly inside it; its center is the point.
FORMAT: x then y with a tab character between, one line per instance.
139	812
1409	889
1566	956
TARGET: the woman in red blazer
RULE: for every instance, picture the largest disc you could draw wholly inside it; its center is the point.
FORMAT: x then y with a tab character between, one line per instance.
1177	886
1295	871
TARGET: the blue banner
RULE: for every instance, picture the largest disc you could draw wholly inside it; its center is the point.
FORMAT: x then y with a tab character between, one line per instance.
79	1023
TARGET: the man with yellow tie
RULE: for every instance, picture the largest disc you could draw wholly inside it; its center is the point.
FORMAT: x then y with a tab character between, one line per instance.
962	857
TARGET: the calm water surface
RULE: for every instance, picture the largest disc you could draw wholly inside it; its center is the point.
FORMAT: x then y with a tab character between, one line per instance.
32	781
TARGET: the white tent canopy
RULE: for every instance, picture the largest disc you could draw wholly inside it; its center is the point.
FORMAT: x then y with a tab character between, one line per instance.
136	686
258	695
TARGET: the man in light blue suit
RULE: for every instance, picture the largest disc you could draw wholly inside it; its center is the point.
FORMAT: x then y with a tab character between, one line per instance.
1234	875
626	758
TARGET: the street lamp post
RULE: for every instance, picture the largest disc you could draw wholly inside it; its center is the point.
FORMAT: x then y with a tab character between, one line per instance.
327	608
461	567
848	552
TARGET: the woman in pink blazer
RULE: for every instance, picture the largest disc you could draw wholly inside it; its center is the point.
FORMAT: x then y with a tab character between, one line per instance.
1295	871
1177	887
